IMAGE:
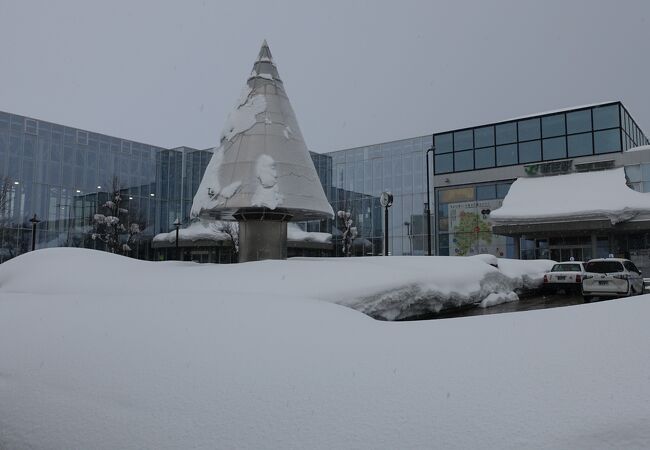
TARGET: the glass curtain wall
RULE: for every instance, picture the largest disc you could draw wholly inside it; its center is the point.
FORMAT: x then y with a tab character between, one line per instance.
567	134
355	178
64	175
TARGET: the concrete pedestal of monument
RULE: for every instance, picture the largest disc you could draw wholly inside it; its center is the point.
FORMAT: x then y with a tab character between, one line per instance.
262	234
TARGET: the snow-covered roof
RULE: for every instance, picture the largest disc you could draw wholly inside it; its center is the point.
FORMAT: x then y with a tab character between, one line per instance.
212	230
296	234
601	195
262	160
561	110
197	230
639	148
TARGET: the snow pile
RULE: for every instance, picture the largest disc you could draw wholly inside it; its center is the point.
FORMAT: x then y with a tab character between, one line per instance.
498	298
104	352
392	288
296	234
267	192
197	230
212	230
601	195
524	275
639	148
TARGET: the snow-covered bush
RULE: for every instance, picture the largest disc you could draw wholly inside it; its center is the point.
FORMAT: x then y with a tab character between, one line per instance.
113	227
349	232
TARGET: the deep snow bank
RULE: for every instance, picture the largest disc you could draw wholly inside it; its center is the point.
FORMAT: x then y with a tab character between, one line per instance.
143	355
386	288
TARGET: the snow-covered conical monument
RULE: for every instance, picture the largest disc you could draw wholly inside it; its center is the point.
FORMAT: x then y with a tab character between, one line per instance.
261	174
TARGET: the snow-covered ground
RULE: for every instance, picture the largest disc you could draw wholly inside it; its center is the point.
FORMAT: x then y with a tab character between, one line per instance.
386	288
103	352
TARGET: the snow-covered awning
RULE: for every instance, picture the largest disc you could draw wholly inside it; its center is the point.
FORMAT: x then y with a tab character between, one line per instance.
196	232
590	196
205	232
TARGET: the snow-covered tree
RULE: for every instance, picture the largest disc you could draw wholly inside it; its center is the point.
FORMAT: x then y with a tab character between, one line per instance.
6	189
113	227
9	243
349	232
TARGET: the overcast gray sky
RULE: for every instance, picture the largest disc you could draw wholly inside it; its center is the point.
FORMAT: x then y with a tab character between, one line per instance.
357	73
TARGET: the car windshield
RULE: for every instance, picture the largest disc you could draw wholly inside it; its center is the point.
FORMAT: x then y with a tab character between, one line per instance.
604	266
566	268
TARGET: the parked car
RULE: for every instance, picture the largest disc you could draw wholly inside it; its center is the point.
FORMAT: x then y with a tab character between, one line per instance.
611	277
566	276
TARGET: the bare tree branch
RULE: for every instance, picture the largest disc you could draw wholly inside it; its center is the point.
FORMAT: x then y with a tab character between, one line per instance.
6	189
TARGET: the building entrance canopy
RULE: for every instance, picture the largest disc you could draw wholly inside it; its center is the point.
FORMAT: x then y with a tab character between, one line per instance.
577	200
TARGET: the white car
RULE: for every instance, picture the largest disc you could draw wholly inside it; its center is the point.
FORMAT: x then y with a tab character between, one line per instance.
565	276
611	277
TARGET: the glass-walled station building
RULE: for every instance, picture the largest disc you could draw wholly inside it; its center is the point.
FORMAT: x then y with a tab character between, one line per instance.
475	166
64	175
471	172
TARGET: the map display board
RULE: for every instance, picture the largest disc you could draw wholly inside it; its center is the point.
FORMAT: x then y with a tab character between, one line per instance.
470	231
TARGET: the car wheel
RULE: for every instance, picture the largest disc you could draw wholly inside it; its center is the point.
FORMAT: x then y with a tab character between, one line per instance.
587	298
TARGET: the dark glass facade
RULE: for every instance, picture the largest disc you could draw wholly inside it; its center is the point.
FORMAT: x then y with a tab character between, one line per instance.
604	128
353	181
62	174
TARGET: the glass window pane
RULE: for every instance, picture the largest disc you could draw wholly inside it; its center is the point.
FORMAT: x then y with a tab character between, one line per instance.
530	152
463	140
486	192
506	155
484	157
606	117
645	172
55	152
444	163
607	141
444	143
578	121
553	125
462	194
502	190
529	129
633	173
29	146
580	144
54	173
506	133
554	148
463	161
484	137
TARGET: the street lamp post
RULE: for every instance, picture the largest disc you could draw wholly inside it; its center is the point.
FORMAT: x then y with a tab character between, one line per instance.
386	200
34	221
177	224
408	233
428	208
